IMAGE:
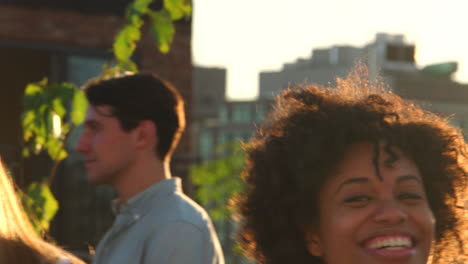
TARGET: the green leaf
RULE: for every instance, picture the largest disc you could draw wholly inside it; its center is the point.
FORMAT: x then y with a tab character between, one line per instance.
33	95
178	8
56	149
162	29
40	205
48	127
79	107
28	119
26	153
42	102
135	20
218	180
64	91
58	107
128	66
141	5
33	89
125	42
138	7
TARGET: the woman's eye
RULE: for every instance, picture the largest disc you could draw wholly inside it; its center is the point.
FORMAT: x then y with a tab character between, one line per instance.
358	201
410	196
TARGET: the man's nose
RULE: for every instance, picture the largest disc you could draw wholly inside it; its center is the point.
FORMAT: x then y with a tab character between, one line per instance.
82	145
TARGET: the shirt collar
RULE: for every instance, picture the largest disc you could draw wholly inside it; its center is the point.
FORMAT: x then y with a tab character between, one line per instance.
138	203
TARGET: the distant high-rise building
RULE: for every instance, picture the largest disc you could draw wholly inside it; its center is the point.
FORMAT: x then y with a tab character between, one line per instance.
387	52
390	57
236	121
216	120
209	91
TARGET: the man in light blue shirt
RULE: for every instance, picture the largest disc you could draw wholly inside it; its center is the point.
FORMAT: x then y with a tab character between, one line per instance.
132	127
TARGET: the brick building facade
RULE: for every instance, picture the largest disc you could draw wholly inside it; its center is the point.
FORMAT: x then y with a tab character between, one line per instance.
69	41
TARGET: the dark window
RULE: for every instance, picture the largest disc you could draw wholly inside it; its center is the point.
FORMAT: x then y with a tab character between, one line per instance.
403	53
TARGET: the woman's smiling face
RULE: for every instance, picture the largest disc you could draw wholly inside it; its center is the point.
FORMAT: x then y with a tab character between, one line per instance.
370	218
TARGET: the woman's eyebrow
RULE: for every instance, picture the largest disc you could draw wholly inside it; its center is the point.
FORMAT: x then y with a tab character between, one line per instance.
408	177
352	181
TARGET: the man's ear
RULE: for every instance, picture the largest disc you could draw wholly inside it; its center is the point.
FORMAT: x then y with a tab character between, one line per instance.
146	134
313	244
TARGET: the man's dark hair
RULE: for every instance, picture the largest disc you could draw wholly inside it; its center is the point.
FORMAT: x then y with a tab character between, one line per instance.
302	142
139	97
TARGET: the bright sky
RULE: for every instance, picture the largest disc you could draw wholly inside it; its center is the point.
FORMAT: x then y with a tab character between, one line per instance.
249	36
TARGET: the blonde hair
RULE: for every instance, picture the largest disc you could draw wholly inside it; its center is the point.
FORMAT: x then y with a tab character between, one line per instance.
19	243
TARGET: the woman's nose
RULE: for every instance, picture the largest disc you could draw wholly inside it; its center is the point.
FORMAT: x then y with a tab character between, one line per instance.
390	212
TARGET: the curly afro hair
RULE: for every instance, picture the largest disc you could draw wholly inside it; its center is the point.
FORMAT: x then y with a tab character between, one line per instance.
303	140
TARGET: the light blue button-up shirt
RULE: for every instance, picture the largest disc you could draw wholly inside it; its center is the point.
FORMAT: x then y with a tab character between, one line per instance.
160	225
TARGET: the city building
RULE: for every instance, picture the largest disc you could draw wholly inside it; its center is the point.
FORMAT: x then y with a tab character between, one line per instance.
68	40
209	91
218	121
436	92
387	52
236	121
390	56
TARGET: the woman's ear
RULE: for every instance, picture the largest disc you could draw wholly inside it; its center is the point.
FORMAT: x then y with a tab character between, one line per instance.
313	244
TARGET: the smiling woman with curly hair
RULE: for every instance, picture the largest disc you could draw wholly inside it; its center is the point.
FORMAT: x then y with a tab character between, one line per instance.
352	175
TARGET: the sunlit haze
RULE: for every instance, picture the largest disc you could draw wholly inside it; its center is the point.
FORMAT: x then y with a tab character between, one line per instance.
249	36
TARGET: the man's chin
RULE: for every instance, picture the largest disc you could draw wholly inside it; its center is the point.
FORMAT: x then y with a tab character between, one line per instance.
96	180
